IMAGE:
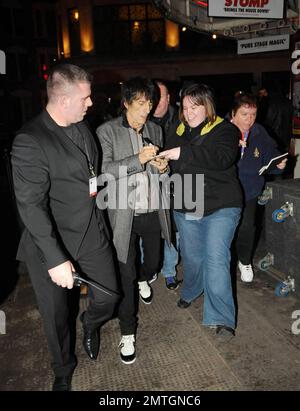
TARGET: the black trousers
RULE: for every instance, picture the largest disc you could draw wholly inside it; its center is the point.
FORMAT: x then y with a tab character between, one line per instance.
54	301
246	232
147	227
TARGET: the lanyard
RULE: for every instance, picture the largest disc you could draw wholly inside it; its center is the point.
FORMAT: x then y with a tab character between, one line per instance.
244	138
92	179
74	133
90	164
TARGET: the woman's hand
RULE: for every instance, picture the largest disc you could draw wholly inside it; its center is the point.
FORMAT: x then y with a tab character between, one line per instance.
282	165
172	154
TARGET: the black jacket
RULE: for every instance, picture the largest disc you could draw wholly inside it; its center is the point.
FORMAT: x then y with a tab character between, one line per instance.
212	152
51	181
261	148
167	121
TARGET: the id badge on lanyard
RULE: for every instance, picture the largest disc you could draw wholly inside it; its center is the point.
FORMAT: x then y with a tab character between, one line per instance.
93	178
92	183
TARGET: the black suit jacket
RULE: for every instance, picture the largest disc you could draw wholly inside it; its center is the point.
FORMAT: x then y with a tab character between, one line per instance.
51	181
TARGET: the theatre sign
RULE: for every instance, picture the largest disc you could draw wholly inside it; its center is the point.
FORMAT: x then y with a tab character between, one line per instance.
263	9
262	44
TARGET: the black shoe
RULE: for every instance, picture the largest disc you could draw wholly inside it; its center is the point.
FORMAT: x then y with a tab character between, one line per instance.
172	283
183	304
91	340
224	331
62	383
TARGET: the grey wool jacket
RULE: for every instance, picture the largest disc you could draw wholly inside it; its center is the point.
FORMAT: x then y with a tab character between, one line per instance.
118	151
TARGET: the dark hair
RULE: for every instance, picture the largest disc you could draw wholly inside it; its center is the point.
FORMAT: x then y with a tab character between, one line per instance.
157	92
63	75
136	87
245	99
201	95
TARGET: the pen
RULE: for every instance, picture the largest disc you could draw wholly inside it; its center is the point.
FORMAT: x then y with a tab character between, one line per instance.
244	138
147	141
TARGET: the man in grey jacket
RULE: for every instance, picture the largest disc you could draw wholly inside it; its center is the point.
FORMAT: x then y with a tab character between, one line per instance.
129	144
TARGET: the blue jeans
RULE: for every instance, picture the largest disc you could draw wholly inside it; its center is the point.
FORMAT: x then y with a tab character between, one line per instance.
205	250
171	257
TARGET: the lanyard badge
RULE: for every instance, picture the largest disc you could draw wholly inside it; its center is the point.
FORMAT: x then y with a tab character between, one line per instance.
92	182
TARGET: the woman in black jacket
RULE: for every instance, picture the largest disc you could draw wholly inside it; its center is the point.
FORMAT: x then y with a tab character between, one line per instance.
257	149
203	151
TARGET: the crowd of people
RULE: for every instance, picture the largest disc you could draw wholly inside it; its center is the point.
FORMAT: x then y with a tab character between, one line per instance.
118	241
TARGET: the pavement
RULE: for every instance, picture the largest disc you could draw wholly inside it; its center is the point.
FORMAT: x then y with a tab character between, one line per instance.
174	351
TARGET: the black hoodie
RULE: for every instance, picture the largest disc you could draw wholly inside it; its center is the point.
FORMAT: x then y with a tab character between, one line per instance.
211	150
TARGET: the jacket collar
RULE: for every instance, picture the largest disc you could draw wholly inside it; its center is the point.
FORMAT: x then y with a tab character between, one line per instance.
68	143
204	128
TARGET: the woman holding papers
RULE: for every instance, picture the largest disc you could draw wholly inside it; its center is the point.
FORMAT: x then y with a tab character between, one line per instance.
257	149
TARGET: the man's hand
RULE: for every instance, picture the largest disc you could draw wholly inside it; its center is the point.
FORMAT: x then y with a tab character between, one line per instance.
282	165
172	154
62	274
161	164
147	153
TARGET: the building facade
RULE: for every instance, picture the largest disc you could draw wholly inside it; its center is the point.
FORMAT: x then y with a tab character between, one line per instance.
115	40
118	39
29	41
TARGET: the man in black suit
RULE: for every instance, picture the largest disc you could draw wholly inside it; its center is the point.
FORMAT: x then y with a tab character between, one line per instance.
54	160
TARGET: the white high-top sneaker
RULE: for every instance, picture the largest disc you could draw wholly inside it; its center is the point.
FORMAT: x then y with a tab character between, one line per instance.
127	352
145	292
246	272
